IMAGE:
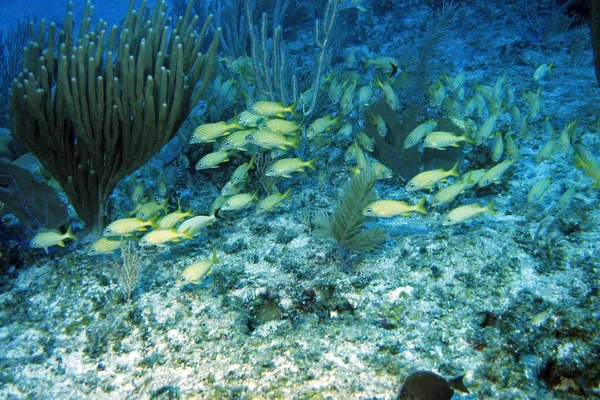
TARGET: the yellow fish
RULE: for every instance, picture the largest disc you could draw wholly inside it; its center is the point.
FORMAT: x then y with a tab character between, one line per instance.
241	173
193	225
543	70
128	226
212	160
269	140
247	118
194	273
320	125
388	65
464	213
539	190
207	133
487	129
49	238
366	142
388	92
236	140
282	126
239	201
415	136
393	208
449	193
271	109
105	245
138	192
272	201
493	174
287	166
148	210
171	219
567	135
585	160
159	237
428	179
439	140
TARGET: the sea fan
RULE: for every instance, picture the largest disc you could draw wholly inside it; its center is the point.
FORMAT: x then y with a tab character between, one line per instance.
347	224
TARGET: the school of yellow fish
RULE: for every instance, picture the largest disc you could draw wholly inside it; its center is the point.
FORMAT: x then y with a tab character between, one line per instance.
271	139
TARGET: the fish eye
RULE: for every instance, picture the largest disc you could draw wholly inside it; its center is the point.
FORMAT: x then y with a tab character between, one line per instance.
312	130
448	220
436	201
249	138
369	210
412	185
271	169
143	241
142	215
263	125
182	279
227	144
92	251
107	230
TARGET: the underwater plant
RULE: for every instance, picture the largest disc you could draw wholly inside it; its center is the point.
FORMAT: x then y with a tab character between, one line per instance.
346	226
96	106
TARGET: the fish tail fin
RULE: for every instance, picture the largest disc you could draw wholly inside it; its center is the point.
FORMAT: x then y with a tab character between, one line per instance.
292	109
311	164
70	234
286	195
454	170
490	207
186	234
295	143
215	260
420	206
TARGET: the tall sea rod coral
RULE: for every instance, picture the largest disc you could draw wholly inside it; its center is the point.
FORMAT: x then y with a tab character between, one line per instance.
96	107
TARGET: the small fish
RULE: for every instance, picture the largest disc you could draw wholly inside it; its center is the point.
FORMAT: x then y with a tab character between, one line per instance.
496	147
194	272
104	245
458	81
159	237
388	92
428	179
380	171
193	225
236	140
381	126
239	201
347	102
272	201
48	238
585	160
466	212
365	94
269	140
207	133
511	148
282	126
138	192
535	102
439	140
365	142
148	210
287	166
415	136
388	65
425	385
539	190
345	132
472	177
241	173
494	174
393	208
247	118
173	218
212	160
543	70
438	94
565	199
449	193
320	125
128	226
271	109
567	135
487	129
547	150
